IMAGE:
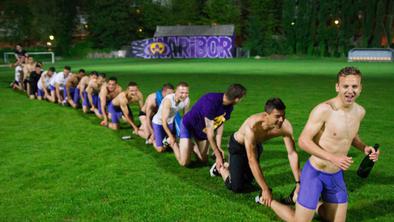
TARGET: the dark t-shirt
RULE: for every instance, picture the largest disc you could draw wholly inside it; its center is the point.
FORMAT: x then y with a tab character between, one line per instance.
20	53
210	106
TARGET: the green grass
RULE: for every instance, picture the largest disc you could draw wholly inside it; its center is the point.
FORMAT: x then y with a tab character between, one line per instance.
58	164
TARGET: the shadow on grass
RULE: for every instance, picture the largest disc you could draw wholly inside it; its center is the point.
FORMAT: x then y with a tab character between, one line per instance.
354	182
197	175
371	210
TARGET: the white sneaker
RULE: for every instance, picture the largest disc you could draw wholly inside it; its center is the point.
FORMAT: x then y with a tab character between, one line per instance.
165	142
213	171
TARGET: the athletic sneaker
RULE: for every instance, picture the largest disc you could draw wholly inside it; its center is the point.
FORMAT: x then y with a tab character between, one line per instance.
165	142
213	171
289	200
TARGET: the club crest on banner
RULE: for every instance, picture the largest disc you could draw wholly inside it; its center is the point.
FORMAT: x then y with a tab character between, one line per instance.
157	49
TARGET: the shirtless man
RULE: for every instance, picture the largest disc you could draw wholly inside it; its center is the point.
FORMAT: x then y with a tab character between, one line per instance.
109	90
28	68
331	130
81	87
119	106
164	119
91	95
18	82
43	84
206	118
245	148
150	108
70	95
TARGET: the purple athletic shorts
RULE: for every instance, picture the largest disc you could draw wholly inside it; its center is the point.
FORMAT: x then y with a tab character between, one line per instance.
116	112
159	133
40	93
72	92
314	183
189	130
86	99
76	97
52	88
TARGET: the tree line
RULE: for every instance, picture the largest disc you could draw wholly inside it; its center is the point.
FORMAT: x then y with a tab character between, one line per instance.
265	27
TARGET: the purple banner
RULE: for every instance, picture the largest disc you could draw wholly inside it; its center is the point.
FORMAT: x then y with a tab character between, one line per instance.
184	47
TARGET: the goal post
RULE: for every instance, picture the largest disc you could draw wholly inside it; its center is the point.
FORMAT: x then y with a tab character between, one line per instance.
7	54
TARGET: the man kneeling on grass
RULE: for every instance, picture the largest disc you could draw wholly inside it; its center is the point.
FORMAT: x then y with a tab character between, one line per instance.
164	120
245	148
119	107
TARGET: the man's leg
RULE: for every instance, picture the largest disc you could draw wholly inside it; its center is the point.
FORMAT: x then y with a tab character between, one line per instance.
201	150
238	166
142	129
160	134
85	103
53	94
183	155
115	115
76	98
333	212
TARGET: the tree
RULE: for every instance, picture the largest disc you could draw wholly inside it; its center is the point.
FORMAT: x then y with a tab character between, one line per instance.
110	22
222	12
14	21
260	27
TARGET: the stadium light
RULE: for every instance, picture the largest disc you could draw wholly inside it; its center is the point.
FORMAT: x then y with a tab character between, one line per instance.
140	29
49	44
336	22
51	37
292	23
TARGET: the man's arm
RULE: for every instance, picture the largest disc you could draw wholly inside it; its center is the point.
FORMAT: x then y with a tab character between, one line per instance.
149	112
125	111
315	122
103	102
211	139
68	86
218	137
367	150
44	86
292	155
165	112
89	91
250	147
140	100
57	90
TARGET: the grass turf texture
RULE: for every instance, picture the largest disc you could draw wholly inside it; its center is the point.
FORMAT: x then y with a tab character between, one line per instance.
58	164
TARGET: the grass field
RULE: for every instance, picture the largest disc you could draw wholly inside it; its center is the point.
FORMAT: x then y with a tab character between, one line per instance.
58	164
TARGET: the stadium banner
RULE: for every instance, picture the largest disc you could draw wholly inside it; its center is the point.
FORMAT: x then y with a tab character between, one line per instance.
184	47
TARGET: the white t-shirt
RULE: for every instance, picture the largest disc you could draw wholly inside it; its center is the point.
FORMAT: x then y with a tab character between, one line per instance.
59	79
47	80
173	110
18	71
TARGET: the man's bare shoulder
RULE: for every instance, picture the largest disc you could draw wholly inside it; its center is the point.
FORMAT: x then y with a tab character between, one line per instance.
151	97
287	128
360	110
323	109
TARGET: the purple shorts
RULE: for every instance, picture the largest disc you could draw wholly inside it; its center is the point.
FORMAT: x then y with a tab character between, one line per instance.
40	93
76	97
116	112
86	99
314	183
189	130
72	92
51	88
160	134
